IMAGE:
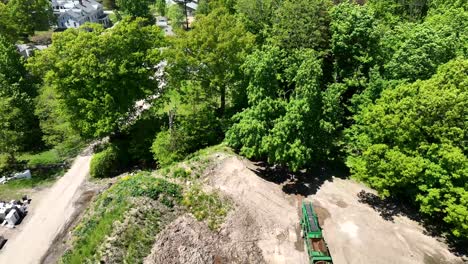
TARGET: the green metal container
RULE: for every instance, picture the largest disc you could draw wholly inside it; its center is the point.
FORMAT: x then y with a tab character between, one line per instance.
312	233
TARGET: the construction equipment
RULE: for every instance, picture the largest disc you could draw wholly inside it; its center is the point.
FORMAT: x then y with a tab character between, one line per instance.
312	233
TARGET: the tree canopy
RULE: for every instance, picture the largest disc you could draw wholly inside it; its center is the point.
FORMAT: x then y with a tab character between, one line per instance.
412	143
97	75
18	125
20	18
135	8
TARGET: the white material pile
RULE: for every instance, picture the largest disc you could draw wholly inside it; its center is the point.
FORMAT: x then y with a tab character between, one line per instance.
20	175
13	212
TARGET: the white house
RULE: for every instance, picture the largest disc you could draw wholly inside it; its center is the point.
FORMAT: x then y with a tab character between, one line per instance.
74	13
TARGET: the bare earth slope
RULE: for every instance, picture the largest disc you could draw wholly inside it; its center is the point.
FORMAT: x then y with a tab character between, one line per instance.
264	226
37	233
274	215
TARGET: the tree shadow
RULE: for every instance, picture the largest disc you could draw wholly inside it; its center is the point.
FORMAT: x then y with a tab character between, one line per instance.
391	207
305	182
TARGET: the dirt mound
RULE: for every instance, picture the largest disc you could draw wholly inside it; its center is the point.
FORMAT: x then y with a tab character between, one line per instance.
273	213
188	241
263	226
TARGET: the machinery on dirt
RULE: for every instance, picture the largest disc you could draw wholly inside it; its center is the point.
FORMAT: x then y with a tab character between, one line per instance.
312	233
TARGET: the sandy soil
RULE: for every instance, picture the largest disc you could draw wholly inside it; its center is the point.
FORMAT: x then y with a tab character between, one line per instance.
274	215
32	239
357	234
264	226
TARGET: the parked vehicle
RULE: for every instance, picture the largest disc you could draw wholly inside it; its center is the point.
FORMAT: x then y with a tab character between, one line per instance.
315	243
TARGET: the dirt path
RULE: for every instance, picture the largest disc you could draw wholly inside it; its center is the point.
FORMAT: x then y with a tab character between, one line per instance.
36	234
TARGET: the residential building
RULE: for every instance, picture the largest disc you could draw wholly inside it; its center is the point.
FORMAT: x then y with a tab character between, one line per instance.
74	13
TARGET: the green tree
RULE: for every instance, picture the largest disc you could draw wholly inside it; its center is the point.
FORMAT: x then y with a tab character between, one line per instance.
161	7
97	75
135	8
283	122
191	123
421	54
302	24
257	14
211	54
18	125
412	143
176	16
393	11
26	16
354	40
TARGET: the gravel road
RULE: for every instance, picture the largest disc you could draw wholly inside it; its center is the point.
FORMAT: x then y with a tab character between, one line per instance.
32	239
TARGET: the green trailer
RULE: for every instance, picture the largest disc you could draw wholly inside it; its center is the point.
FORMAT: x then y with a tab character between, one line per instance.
312	233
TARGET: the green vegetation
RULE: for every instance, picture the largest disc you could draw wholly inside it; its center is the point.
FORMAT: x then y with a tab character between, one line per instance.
140	8
415	153
104	164
40	178
20	18
140	198
209	207
379	85
87	98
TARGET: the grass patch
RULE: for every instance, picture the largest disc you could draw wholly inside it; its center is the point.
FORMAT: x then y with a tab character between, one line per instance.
17	188
49	157
106	218
209	207
204	153
181	173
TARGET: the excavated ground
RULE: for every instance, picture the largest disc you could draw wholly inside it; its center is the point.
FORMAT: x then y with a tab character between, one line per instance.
264	227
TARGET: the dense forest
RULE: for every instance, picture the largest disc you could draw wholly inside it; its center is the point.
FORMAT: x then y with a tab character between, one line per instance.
381	86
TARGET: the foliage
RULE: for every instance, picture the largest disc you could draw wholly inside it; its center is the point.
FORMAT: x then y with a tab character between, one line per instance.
176	16
257	15
20	18
354	40
161	6
394	11
206	206
18	125
180	173
302	24
211	54
284	120
106	163
135	8
425	49
97	75
412	143
111	210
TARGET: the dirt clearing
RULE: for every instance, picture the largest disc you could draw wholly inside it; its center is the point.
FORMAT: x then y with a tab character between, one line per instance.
357	234
264	224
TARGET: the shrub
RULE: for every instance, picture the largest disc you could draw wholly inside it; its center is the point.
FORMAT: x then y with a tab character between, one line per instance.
180	173
206	206
105	163
166	148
